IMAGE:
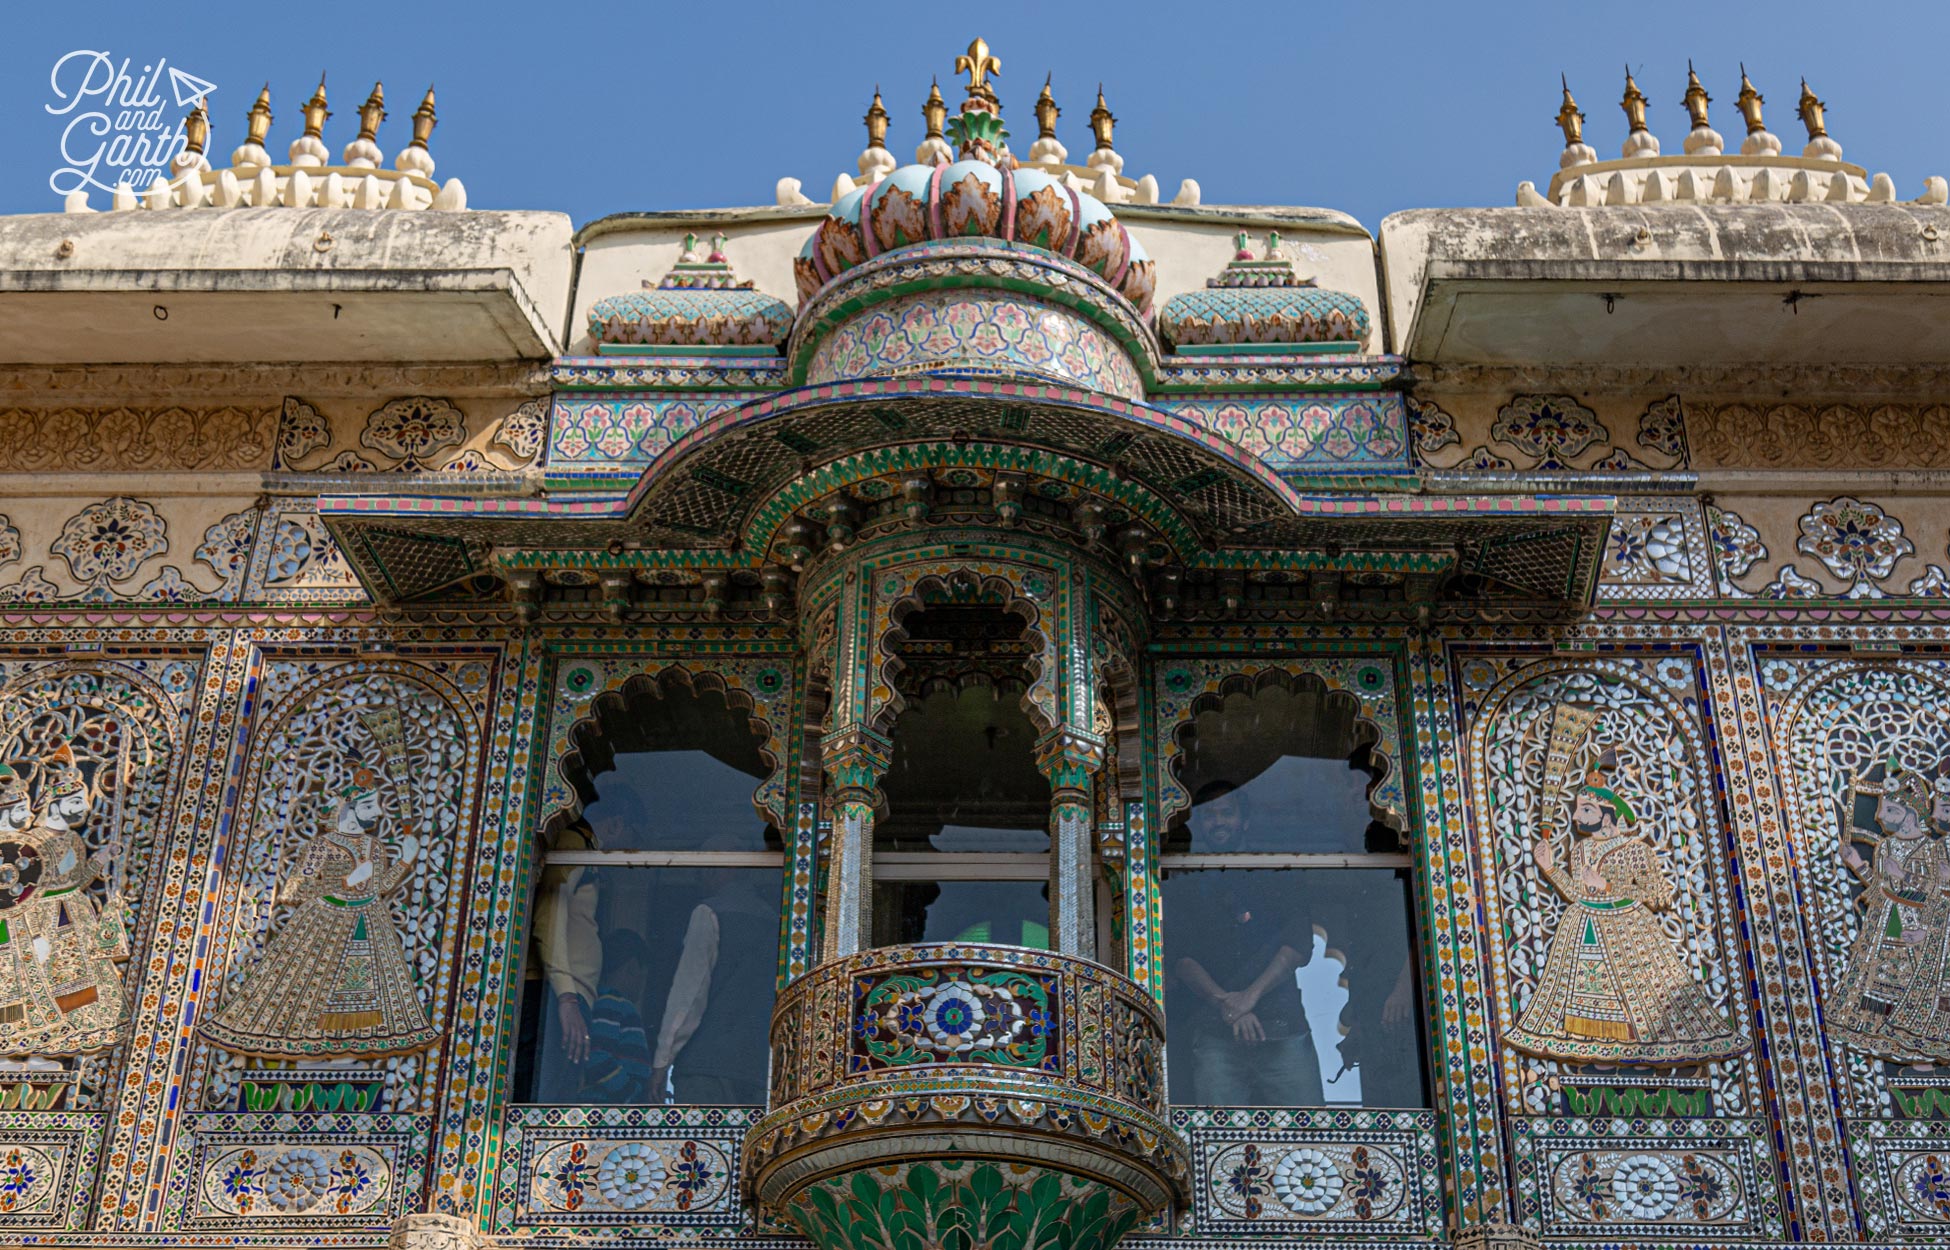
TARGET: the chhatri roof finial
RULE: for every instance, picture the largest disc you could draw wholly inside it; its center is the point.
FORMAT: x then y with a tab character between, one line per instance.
1571	121
1103	127
1046	111
414	157
876	162
978	133
1702	139
1102	124
1813	115
934	149
1696	98
315	111
363	152
978	63
1641	141
1758	141
1047	149
308	149
250	154
196	138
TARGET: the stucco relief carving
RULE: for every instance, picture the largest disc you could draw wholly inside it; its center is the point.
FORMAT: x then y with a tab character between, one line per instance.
1550	433
411	434
136	439
1820	436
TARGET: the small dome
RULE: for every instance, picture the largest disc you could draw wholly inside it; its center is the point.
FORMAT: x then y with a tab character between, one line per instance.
1262	301
698	304
974	199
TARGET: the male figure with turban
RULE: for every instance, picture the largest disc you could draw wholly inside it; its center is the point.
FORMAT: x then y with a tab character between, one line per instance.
1613	989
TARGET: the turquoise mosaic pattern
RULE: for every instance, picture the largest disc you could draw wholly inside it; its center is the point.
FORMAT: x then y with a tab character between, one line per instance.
691	318
1293	314
979	331
1315	435
626	431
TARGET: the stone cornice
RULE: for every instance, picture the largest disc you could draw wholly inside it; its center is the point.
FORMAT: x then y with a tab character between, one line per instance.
1799	380
113	384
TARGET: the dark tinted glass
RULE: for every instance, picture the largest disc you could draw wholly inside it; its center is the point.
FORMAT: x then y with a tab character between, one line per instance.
1015	913
648	985
1292	987
1277	770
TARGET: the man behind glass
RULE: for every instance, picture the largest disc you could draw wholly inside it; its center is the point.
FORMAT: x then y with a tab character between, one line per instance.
1237	938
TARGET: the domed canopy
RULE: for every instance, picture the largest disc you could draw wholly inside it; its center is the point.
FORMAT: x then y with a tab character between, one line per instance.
974	199
1262	301
984	194
698	304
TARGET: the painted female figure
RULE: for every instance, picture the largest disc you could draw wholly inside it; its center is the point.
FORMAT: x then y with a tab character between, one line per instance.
70	948
1613	989
1890	1002
335	980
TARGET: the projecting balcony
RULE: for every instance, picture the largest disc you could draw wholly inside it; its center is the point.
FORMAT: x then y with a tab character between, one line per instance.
958	1094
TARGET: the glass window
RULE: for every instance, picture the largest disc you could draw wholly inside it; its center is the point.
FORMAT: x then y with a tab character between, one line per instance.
654	946
1287	914
961	849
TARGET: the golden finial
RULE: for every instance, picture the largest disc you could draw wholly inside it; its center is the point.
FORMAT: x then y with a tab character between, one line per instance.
315	111
1812	113
196	128
372	112
1046	113
1633	103
1749	103
1569	119
1696	98
876	120
978	65
257	123
423	121
1101	122
935	111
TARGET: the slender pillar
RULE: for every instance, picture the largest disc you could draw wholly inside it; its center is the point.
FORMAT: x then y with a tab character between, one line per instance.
856	759
1070	758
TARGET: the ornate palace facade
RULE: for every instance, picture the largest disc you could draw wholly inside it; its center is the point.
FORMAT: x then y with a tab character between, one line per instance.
1010	708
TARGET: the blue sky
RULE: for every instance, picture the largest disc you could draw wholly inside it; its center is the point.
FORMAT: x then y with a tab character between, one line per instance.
1367	108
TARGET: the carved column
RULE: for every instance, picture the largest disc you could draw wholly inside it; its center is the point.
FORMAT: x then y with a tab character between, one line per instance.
856	759
423	1230
1070	759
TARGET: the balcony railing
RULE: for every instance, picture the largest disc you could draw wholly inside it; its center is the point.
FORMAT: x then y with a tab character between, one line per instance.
925	1096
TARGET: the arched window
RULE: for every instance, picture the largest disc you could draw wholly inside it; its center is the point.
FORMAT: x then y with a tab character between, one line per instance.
962	850
654	945
1288	927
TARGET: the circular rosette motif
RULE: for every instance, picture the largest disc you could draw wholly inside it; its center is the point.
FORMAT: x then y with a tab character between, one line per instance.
970	1015
1645	1188
1308	1182
631	1176
297	1180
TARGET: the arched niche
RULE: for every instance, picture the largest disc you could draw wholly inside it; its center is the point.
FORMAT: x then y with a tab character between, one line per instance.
593	690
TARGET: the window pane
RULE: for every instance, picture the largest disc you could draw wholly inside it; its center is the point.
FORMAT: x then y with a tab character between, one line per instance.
637	969
1336	1018
1014	913
674	800
672	769
1278	770
963	776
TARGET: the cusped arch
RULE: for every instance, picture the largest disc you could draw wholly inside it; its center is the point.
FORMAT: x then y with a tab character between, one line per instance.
962	587
1371	721
588	688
